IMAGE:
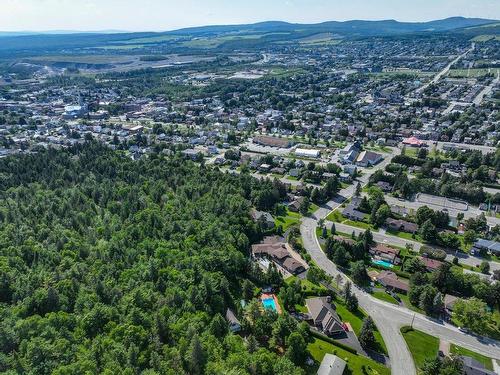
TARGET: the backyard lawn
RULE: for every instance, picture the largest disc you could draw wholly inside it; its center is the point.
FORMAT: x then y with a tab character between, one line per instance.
291	218
455	349
421	345
355	363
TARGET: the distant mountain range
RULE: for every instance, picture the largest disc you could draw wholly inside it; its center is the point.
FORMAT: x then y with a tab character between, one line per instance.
26	43
384	27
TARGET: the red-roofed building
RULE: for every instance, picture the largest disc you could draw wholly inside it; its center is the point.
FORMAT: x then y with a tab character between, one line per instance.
413	142
431	264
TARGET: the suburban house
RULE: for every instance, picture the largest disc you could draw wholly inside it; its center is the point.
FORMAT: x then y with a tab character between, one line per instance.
263	217
351	211
273	249
399	210
482	246
294	206
391	282
324	316
381	251
191	153
234	323
351	170
384	186
431	264
345	177
368	159
474	367
401	225
331	365
449	302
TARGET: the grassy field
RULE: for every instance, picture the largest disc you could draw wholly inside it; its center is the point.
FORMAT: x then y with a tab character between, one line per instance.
455	349
421	345
485	38
291	218
383	296
355	363
471	73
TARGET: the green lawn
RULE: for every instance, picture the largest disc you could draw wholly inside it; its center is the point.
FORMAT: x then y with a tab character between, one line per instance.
455	349
313	208
404	235
291	218
358	224
383	296
356	321
421	345
335	216
307	286
355	363
407	303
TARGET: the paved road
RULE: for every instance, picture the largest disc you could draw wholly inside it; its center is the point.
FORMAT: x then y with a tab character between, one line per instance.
387	239
471	212
389	318
479	98
445	71
482	148
401	360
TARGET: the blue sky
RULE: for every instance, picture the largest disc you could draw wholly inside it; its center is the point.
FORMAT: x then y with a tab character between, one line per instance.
16	15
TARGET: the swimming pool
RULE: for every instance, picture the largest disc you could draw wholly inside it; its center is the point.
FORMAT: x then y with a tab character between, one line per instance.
383	263
269	303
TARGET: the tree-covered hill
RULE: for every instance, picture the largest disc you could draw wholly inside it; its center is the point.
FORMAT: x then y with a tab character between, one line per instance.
114	266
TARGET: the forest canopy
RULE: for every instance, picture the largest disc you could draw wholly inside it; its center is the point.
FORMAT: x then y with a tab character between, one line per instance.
115	266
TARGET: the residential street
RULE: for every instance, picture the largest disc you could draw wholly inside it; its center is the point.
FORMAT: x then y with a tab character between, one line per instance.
388	318
401	242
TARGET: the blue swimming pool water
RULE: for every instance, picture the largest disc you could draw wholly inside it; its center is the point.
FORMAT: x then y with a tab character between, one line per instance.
383	263
269	303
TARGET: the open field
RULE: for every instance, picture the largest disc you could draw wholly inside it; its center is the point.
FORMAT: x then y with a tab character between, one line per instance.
485	38
471	73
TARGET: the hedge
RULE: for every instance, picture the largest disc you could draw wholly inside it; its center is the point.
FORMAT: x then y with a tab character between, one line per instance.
333	342
406	329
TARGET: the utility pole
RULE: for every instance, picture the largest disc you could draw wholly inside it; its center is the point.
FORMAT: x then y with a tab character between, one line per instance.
412	319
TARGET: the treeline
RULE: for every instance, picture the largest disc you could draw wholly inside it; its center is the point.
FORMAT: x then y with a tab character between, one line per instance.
113	266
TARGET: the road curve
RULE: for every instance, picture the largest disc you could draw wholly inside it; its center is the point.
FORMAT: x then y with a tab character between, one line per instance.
401	360
390	318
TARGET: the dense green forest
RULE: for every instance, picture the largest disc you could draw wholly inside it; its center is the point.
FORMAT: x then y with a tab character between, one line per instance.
114	266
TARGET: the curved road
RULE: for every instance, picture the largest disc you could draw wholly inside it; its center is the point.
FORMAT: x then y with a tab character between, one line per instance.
389	318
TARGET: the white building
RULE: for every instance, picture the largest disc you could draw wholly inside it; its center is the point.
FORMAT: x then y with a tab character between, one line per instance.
307	153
